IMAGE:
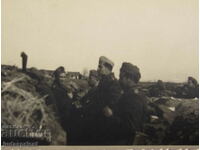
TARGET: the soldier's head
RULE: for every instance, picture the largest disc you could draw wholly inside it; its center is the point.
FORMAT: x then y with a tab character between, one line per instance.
129	75
192	82
93	78
23	54
59	72
160	84
105	66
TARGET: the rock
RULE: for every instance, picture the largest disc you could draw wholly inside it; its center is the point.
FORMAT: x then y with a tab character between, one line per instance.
185	128
23	106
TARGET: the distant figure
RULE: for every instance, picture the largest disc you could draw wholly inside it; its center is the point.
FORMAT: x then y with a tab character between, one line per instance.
161	85
188	90
192	82
24	61
158	89
191	88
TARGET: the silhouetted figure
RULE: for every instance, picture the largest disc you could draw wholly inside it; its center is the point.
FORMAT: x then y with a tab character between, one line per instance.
24	61
158	89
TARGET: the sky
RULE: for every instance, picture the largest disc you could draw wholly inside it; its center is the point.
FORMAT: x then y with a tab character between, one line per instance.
159	36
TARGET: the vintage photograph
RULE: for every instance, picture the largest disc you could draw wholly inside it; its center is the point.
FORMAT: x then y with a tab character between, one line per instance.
100	72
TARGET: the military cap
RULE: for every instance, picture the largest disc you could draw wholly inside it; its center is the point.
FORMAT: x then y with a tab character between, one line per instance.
131	71
59	70
93	73
103	59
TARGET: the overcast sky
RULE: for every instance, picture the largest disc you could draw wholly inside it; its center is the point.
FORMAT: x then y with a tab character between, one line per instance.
159	36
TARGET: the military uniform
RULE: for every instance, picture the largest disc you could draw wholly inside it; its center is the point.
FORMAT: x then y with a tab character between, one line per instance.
63	103
96	124
129	118
106	94
131	113
93	78
67	112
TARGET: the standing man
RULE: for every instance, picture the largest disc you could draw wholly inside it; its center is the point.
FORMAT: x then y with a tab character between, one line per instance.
62	96
63	100
102	103
108	88
24	61
132	108
108	91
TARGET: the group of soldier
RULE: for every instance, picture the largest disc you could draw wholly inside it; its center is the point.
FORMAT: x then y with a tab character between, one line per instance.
112	112
109	111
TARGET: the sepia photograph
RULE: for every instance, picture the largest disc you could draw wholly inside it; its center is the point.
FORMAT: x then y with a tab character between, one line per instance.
100	73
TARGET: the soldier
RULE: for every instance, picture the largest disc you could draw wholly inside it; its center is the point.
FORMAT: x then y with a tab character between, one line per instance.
63	99
108	88
64	91
93	83
24	61
158	89
189	89
102	102
60	92
192	88
132	108
93	79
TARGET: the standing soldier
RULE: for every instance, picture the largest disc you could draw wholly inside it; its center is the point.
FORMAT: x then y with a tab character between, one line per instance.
102	103
63	101
132	108
24	61
68	113
108	88
62	96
